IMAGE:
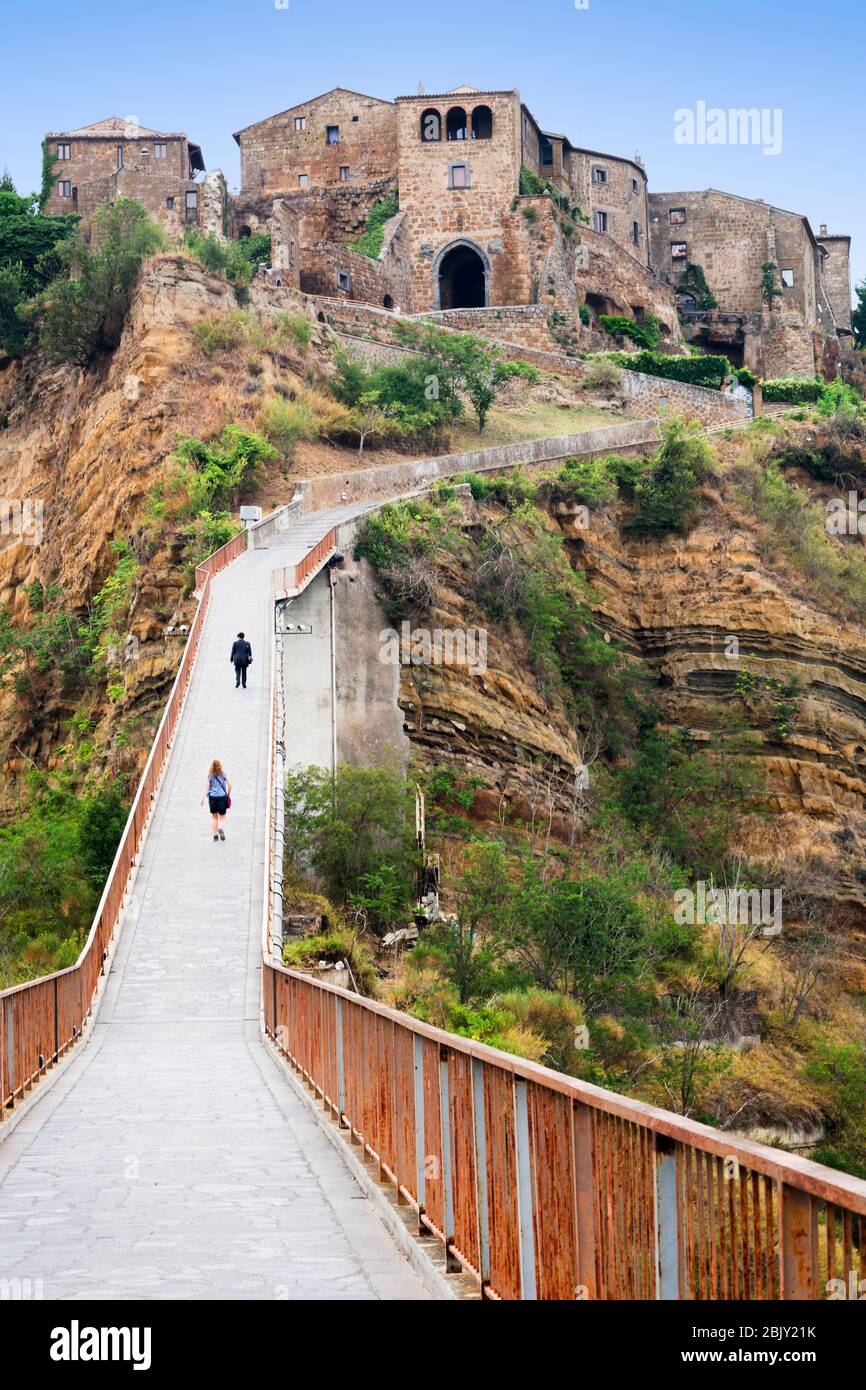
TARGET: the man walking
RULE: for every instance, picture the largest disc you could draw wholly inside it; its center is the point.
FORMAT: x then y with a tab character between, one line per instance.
241	658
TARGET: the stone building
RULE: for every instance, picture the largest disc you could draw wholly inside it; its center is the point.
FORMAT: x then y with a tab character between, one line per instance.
465	237
723	241
118	158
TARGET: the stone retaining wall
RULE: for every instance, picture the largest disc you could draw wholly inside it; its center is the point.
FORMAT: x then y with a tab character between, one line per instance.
395	480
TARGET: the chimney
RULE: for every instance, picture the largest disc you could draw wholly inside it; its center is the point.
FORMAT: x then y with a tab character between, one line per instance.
823	229
637	158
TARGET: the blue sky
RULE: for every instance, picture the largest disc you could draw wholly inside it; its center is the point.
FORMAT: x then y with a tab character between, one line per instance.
611	77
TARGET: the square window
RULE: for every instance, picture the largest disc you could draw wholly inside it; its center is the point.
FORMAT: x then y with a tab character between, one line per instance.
459	176
635	186
787	279
64	188
601	221
677	216
332	134
344	280
344	173
635	233
169	202
599	175
63	152
354	118
300	123
160	151
679	251
303	180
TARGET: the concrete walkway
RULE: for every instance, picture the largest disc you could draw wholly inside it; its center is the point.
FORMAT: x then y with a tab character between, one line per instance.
171	1159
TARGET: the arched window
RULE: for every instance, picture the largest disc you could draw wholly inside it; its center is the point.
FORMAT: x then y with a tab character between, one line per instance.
431	125
246	231
388	302
455	123
482	123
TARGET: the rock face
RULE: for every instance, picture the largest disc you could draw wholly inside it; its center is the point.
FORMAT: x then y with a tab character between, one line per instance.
717	630
88	448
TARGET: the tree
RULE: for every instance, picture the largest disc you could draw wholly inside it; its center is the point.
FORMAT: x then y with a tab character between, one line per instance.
858	317
350	827
28	261
584	937
469	945
83	313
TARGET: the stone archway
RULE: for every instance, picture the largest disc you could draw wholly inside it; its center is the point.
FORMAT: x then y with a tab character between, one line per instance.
461	276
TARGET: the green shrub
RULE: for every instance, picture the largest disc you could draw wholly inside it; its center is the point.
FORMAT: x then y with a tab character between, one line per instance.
603	375
746	377
215	335
216	472
585	315
666	492
704	370
284	423
619	327
583	480
370	242
295	329
797	391
82	316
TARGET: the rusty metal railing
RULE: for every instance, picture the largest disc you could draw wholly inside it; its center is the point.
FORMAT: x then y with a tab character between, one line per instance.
220	558
289	580
542	1186
41	1019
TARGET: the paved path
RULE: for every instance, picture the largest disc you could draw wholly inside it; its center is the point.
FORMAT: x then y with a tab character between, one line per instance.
171	1160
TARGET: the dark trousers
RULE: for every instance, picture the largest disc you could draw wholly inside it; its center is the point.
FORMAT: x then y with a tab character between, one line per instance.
241	674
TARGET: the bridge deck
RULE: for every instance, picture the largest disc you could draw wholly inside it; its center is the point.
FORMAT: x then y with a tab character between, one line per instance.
171	1160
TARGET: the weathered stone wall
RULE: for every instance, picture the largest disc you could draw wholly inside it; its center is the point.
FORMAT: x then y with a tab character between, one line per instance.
731	238
439	216
213	197
617	282
393	480
623	197
285	243
653	395
93	172
370	281
526	324
837	277
275	156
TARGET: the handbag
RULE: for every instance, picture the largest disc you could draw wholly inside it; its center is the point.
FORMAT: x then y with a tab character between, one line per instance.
228	802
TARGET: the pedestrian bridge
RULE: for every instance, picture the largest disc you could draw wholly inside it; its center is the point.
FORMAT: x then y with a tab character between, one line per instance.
185	1118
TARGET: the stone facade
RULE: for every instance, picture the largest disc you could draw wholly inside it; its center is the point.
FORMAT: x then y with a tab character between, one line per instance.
730	238
837	277
339	137
118	158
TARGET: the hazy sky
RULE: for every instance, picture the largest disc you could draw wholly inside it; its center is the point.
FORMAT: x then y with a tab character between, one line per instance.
611	77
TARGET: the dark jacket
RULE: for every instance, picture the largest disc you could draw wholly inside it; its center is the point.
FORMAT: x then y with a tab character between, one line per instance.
242	653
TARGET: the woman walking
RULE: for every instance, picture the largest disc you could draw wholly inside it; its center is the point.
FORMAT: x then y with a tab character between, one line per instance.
218	792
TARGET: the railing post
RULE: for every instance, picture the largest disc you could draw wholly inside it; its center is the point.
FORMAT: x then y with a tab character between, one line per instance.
56	1022
480	1136
798	1243
667	1219
420	1156
341	1076
452	1265
584	1201
525	1204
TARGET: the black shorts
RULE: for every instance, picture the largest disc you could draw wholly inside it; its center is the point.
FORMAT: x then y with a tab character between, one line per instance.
217	805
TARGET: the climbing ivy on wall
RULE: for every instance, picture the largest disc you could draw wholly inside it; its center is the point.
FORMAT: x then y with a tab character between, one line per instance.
694	281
